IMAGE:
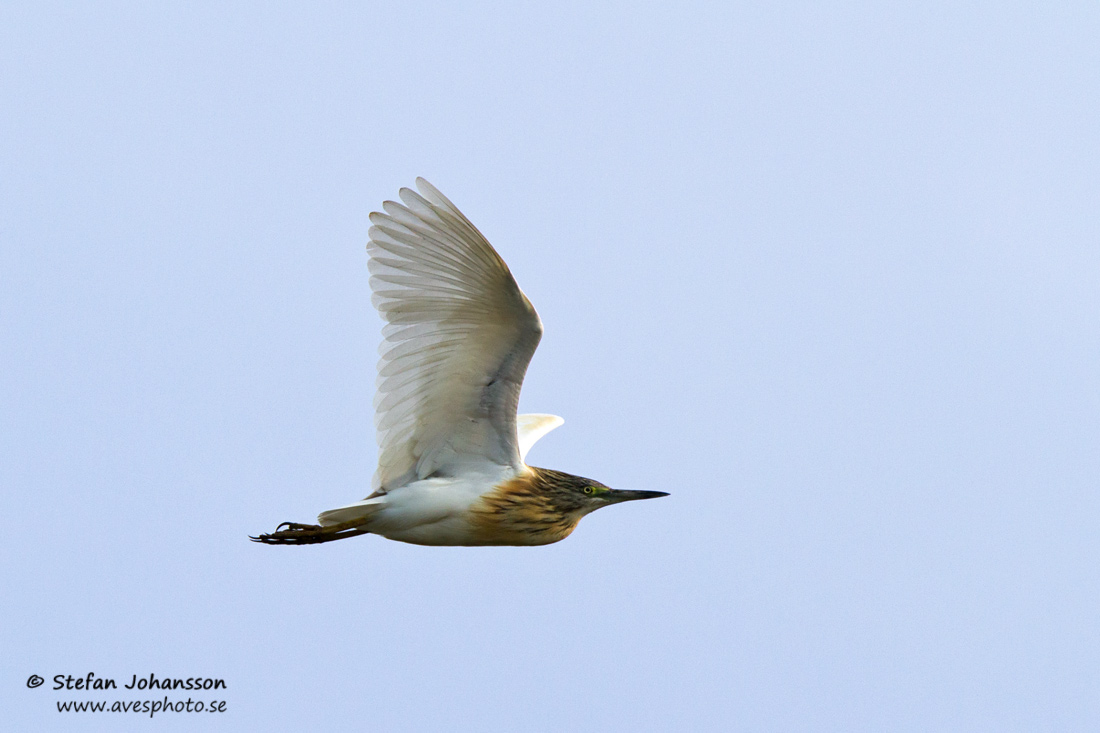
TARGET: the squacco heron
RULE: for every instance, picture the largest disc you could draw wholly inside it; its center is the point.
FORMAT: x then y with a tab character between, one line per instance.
458	338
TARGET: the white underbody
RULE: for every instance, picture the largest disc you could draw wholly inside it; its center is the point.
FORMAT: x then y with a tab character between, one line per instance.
436	511
433	511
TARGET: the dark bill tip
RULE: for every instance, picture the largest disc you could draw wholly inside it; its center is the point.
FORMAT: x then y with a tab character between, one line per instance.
633	495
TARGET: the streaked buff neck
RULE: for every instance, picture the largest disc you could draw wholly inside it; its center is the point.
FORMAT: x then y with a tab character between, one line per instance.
537	508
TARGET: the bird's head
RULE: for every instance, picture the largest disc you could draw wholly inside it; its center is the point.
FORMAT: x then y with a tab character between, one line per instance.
576	494
598	496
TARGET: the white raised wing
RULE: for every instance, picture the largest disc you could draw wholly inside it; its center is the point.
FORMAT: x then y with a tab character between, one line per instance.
458	337
532	427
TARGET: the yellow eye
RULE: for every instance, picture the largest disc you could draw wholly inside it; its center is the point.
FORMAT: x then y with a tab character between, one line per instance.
588	489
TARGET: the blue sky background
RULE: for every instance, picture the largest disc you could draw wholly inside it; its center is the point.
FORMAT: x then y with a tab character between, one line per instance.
828	273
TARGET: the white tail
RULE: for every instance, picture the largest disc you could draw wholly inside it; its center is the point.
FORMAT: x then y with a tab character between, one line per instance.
360	510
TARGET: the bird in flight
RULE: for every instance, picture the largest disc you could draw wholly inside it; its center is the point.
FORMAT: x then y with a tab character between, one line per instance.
458	338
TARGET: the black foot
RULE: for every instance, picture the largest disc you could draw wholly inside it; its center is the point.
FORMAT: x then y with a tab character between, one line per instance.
306	534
